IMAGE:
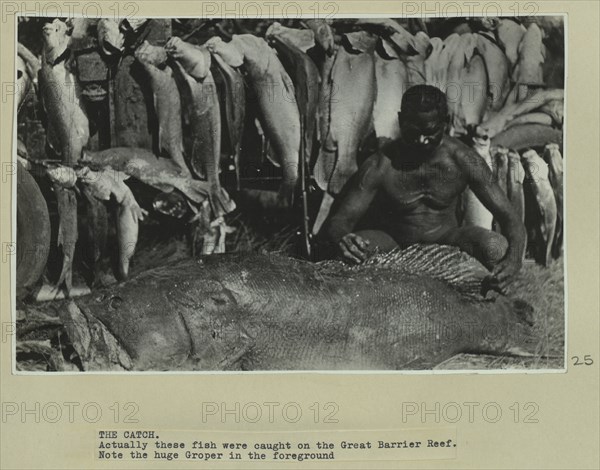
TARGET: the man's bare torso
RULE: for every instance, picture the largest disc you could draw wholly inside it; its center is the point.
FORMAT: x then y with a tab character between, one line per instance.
419	195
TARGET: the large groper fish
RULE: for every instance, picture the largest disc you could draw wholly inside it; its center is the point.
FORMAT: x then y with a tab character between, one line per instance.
408	309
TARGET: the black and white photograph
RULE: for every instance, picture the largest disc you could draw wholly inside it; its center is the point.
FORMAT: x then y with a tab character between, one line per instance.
245	195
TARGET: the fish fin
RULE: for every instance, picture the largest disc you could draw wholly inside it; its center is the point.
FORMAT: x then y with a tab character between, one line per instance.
96	346
270	154
230	54
442	262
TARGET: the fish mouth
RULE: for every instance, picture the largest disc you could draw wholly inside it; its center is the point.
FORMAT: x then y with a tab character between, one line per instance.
524	311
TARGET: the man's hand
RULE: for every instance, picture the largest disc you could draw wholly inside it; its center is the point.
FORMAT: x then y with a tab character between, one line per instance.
354	248
505	271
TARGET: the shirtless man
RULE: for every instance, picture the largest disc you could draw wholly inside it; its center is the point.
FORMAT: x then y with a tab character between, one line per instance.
415	183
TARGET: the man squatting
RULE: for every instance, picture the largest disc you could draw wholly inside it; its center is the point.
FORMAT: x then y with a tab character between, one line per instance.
412	186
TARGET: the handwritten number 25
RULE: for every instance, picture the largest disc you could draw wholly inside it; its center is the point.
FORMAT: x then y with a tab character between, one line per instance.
587	360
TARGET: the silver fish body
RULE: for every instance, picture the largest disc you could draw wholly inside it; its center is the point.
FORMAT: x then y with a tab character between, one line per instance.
541	210
167	103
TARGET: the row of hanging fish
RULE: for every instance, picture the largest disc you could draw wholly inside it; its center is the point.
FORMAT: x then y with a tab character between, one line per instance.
492	79
68	132
533	184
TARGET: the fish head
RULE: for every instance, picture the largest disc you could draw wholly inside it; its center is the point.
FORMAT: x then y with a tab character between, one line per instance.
110	37
514	158
535	166
133	24
232	53
509	329
174	46
149	54
303	39
55	39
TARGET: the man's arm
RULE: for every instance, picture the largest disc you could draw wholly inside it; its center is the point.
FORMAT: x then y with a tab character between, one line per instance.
354	204
480	180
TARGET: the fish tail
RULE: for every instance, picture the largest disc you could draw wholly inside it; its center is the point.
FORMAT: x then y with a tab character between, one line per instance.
325	163
127	231
220	201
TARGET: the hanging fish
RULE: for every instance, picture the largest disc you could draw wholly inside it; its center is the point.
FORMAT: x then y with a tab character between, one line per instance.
351	111
202	117
291	46
541	210
234	108
109	184
167	104
391	78
67	133
514	184
275	92
95	232
67	130
553	157
500	172
67	234
510	33
529	69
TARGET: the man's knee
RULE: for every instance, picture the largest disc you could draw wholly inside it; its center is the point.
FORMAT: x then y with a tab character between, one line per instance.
493	249
486	246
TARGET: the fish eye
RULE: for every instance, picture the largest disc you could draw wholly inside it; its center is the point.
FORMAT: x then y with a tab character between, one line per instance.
115	302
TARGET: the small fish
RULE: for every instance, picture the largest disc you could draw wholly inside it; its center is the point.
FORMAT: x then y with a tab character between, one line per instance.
279	114
510	33
109	184
23	83
67	130
201	118
530	118
67	233
128	216
291	45
234	108
497	68
541	211
501	167
528	136
167	103
95	232
514	186
553	157
143	165
497	122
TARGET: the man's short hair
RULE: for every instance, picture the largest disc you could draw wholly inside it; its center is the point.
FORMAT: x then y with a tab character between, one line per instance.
423	99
